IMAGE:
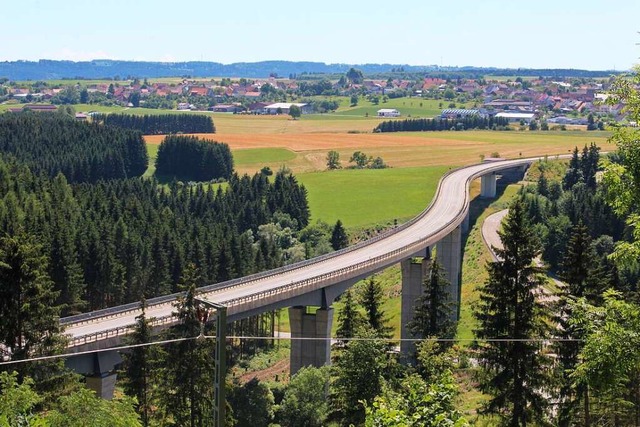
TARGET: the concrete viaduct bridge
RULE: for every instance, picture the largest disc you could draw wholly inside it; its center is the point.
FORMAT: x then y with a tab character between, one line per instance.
315	282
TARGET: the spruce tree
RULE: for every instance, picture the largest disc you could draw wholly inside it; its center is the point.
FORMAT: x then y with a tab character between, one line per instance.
349	319
434	309
574	173
584	278
339	238
371	301
513	367
187	388
140	364
29	324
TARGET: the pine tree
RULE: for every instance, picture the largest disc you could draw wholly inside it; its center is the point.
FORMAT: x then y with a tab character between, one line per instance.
29	325
140	365
371	300
514	371
574	173
584	278
349	319
543	185
433	310
187	390
339	238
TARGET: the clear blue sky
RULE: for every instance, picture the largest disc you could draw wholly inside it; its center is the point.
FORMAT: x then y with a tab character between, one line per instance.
590	34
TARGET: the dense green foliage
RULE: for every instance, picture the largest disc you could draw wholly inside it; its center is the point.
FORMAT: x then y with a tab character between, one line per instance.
304	403
158	124
191	158
418	404
50	144
622	178
113	242
609	361
439	124
359	372
19	403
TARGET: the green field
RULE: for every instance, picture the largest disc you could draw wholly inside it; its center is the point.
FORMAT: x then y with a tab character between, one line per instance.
408	107
260	156
365	197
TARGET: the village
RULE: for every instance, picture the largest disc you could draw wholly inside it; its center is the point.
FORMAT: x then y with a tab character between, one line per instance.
567	101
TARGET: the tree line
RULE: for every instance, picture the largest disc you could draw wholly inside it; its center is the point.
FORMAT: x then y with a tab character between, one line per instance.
158	124
440	124
84	152
194	159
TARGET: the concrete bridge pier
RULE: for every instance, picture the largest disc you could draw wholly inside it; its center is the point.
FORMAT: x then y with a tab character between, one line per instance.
488	185
450	255
414	272
99	370
316	327
465	223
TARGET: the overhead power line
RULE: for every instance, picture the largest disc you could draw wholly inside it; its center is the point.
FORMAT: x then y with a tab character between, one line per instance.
265	338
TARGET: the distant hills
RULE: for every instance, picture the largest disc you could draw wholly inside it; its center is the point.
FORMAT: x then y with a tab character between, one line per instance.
45	69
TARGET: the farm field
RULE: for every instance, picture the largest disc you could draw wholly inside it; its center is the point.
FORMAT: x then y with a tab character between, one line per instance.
399	150
366	197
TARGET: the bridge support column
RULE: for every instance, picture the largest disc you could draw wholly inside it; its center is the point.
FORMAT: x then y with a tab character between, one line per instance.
103	384
315	352
413	275
450	255
465	223
488	186
99	369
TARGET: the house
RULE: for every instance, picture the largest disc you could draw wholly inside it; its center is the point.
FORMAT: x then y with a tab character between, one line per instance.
283	108
198	91
226	108
388	112
458	113
258	107
516	117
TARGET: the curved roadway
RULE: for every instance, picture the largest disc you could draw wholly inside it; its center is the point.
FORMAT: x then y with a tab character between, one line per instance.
447	210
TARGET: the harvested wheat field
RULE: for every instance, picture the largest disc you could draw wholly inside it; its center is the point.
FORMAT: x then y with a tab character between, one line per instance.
403	149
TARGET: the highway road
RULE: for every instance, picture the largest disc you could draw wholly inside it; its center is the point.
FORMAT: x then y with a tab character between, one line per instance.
447	210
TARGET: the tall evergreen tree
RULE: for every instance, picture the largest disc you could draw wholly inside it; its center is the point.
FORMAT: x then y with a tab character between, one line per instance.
371	300
339	238
574	173
187	390
434	309
514	368
584	279
140	365
29	317
349	319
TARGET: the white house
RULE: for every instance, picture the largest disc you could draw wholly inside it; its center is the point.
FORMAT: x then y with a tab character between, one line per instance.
283	108
516	117
388	112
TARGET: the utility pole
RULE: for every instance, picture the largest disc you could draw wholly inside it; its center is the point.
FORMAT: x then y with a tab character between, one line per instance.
219	401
